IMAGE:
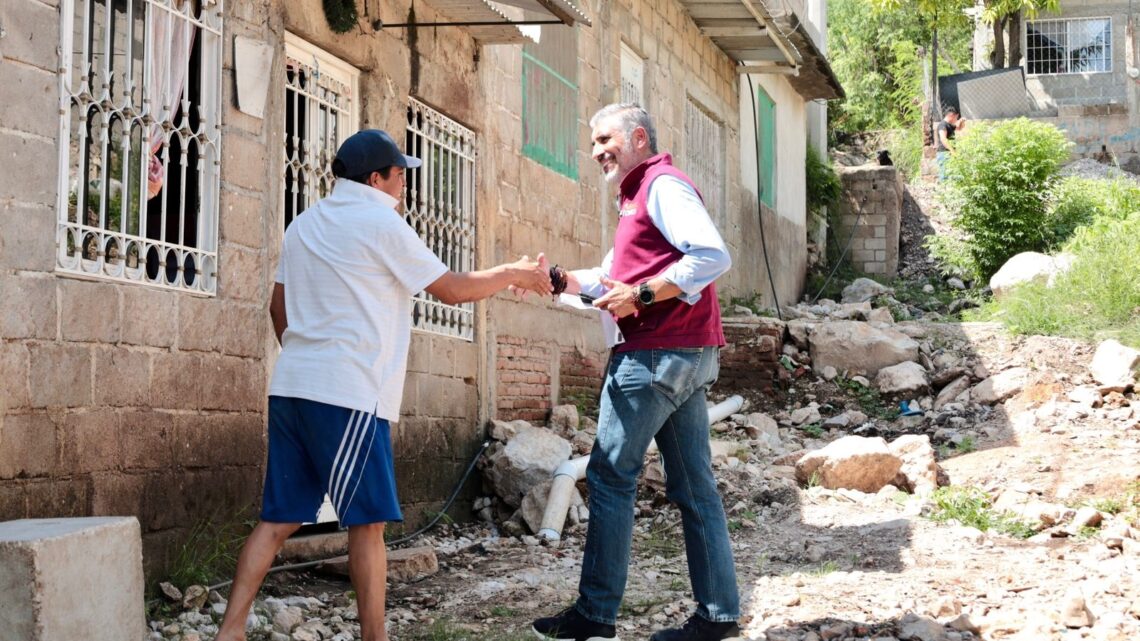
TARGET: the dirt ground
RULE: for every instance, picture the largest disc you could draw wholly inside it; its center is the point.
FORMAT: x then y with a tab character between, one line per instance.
846	565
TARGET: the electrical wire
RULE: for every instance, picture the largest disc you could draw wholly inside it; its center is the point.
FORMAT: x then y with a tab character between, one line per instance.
404	539
759	190
839	261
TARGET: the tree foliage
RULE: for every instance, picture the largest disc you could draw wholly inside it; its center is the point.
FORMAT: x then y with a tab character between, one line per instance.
875	52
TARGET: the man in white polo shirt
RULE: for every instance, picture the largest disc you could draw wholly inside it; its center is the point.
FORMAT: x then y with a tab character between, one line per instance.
342	311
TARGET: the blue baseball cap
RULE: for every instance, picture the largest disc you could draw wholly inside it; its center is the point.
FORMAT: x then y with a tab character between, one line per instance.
370	150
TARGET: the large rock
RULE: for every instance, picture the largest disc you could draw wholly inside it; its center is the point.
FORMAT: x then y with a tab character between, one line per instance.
859	348
852	462
527	460
951	391
904	378
564	419
1115	366
999	387
1028	267
863	289
919	471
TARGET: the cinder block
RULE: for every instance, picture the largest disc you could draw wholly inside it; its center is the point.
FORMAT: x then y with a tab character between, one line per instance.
71	579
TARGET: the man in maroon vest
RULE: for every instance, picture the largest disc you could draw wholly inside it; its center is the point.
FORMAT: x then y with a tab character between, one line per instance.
658	282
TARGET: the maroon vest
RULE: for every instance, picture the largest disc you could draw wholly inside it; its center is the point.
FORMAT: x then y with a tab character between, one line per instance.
641	253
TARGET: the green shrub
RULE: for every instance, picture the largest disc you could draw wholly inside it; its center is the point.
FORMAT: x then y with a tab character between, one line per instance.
1075	202
1098	297
822	183
1002	173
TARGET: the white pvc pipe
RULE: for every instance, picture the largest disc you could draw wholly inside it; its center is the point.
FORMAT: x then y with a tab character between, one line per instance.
574	470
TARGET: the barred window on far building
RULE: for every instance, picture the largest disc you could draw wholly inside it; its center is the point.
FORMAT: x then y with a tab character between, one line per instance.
1079	45
140	103
704	157
320	112
439	204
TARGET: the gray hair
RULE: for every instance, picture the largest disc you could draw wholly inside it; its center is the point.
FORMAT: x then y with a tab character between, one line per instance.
630	116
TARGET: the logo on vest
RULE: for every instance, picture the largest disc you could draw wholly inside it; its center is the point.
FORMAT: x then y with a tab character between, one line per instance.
628	209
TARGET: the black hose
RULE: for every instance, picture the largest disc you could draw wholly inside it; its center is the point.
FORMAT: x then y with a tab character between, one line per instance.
759	194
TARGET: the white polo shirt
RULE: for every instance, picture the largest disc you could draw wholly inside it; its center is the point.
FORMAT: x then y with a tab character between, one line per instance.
350	265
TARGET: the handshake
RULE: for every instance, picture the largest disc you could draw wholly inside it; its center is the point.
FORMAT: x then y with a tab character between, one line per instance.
536	275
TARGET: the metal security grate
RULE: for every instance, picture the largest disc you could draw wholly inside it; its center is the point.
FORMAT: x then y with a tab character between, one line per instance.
704	158
440	205
140	104
1081	45
632	77
320	93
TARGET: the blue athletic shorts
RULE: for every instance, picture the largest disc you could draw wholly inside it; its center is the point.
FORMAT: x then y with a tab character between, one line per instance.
317	449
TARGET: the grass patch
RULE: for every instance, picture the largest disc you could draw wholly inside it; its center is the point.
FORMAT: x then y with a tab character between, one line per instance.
814	430
210	551
869	399
503	611
661	540
641	607
678	585
825	568
1097	298
448	630
972	507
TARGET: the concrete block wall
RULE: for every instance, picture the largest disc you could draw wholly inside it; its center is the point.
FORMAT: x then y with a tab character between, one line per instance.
536	209
871	209
122	399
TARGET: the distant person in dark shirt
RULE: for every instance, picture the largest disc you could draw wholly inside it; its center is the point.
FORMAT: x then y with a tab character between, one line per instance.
944	138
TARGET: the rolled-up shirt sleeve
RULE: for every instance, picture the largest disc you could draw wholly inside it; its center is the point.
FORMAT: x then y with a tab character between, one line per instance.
591	279
677	211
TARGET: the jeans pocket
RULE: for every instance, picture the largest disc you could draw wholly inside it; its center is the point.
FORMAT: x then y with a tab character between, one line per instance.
675	371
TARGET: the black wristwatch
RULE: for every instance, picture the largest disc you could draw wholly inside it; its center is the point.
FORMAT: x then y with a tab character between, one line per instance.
645	295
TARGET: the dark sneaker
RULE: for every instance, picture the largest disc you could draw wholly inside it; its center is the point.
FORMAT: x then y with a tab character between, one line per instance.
698	629
569	625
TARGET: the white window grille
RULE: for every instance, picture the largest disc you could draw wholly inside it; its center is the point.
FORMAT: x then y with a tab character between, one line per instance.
440	205
632	76
1082	45
320	112
140	104
704	157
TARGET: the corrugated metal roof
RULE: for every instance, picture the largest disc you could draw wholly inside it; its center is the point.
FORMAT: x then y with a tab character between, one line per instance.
749	33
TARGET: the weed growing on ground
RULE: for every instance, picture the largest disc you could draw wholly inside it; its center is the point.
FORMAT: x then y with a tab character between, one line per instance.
503	611
813	430
966	445
972	507
660	540
678	585
825	568
641	606
869	399
447	630
210	550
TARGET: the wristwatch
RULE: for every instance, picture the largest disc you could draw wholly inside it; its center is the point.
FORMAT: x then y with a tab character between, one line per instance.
645	295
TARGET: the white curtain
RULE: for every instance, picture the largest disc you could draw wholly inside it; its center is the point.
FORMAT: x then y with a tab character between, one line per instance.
171	41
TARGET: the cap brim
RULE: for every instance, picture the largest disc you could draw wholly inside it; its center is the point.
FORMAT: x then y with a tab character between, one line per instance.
412	162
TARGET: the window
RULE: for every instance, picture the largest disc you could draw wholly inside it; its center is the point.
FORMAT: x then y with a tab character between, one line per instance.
140	108
704	157
550	100
766	163
320	104
439	204
632	76
1068	46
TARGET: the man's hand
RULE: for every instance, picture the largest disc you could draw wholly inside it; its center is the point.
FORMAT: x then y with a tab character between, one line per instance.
531	275
621	300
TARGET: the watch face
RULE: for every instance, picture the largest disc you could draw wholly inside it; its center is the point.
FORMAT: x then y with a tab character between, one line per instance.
645	295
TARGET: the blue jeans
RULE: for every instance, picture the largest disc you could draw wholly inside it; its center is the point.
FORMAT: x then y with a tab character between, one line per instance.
656	394
942	157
